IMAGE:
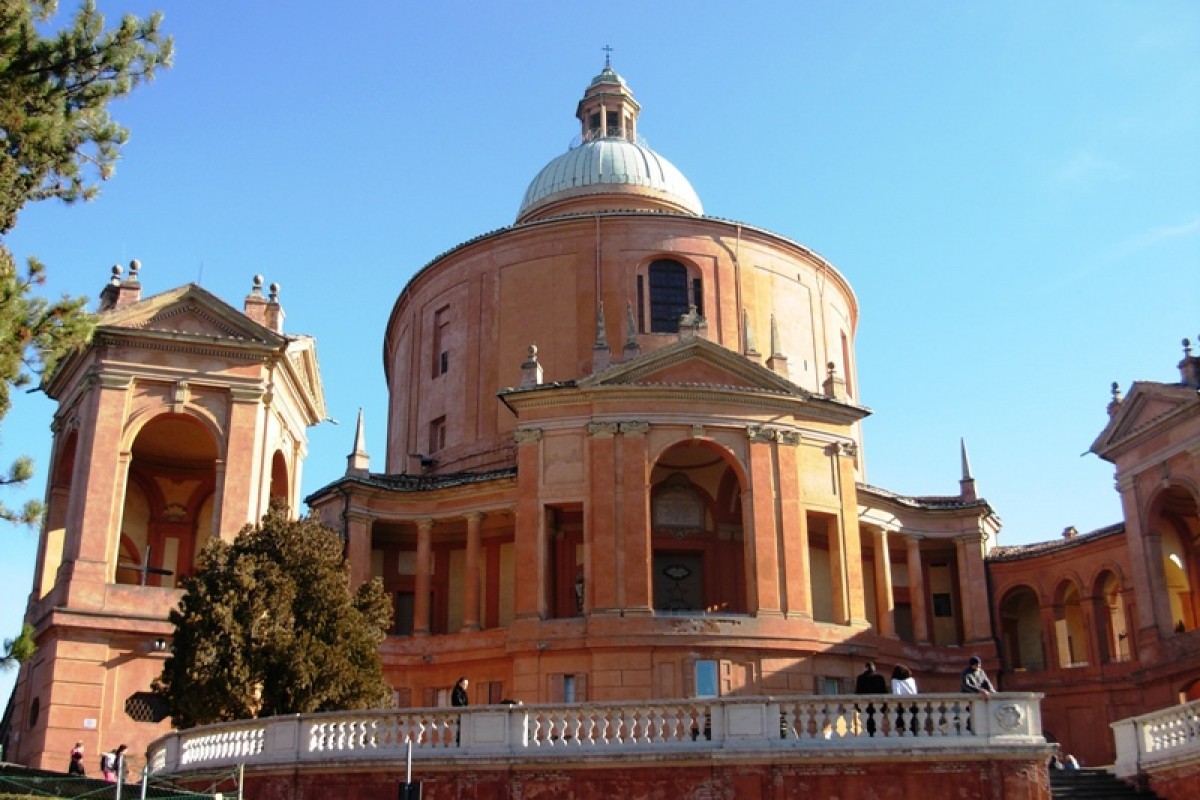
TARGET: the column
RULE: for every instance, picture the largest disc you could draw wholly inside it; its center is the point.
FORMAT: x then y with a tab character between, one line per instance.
793	529
601	581
972	587
1153	606
916	589
471	578
421	582
885	603
240	490
358	548
529	593
758	509
846	557
635	557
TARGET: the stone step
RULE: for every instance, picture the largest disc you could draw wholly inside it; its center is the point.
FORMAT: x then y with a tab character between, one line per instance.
1092	784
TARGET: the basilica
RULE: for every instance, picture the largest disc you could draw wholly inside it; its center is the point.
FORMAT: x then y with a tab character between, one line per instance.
654	492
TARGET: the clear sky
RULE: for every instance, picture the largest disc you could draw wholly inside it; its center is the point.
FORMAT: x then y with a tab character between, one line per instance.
1012	189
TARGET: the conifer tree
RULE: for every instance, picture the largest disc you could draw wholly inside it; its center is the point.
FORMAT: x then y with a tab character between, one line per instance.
268	626
57	140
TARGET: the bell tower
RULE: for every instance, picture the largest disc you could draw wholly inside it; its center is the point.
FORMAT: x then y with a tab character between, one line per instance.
183	419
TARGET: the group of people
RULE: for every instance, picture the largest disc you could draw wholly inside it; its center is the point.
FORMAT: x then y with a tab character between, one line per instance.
112	763
972	681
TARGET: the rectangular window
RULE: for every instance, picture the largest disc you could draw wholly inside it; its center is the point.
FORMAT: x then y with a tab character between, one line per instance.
568	688
441	352
402	614
437	434
706	679
698	296
827	685
641	305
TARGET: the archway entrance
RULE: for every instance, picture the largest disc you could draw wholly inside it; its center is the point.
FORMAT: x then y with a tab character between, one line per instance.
696	523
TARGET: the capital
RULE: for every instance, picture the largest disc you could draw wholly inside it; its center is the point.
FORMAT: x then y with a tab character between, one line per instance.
760	433
635	428
602	429
527	435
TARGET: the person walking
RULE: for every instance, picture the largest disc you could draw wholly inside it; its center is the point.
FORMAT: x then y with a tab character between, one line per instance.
75	767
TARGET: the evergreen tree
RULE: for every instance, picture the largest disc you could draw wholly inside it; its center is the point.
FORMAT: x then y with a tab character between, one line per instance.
268	626
57	140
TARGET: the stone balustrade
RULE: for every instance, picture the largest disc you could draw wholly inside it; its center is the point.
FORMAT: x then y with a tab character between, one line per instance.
1160	738
882	723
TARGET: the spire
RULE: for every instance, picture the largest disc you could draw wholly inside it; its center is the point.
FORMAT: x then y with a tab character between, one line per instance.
966	484
358	463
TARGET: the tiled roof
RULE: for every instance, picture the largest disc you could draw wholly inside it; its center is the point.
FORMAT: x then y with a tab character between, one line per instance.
417	483
1016	552
924	501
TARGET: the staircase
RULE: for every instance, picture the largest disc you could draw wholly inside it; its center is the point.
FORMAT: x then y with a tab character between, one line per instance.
1085	784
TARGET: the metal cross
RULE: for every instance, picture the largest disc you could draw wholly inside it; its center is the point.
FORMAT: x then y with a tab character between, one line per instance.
145	569
607	56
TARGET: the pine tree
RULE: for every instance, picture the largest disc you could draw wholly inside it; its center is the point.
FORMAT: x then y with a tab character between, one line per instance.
57	140
268	626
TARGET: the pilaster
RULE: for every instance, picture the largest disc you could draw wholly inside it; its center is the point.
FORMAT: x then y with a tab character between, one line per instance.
793	528
601	579
885	603
358	548
635	561
530	591
422	580
916	589
758	504
471	579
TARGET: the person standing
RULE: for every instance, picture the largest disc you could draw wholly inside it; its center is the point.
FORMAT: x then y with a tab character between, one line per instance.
459	697
870	682
903	682
76	765
108	766
974	680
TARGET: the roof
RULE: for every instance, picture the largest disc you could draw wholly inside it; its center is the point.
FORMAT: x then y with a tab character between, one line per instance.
610	165
1017	552
403	482
924	501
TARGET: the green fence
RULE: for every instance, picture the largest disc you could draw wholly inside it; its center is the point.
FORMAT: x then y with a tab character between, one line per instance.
24	782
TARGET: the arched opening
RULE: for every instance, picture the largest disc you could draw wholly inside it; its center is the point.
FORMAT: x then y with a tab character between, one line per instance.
1174	517
167	507
696	532
280	483
1112	618
1070	629
1021	630
56	513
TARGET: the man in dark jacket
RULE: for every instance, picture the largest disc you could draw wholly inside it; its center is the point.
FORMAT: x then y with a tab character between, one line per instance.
870	682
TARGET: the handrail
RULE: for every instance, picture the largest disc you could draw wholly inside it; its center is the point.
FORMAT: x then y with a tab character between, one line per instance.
878	722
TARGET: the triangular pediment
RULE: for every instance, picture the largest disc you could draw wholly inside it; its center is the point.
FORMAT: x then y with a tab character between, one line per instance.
188	311
693	362
1148	408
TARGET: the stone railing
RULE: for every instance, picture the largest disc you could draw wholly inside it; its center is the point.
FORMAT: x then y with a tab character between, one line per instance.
880	723
1160	737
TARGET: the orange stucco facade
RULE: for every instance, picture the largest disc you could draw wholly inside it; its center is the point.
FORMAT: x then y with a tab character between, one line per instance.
654	490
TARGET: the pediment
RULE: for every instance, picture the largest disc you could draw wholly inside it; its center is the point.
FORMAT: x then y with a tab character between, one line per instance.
1148	408
693	362
189	311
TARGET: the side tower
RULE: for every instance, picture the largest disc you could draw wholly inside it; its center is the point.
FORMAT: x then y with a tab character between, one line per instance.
183	419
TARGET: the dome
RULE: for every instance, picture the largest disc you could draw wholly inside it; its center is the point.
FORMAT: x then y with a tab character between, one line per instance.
611	166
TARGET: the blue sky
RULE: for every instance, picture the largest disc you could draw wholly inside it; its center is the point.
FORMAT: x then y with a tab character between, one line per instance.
1012	189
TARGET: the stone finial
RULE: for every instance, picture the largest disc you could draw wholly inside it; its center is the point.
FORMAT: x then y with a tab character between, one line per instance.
358	463
692	324
121	291
273	312
1070	532
255	305
531	370
777	363
1116	401
834	386
601	354
632	348
1189	367
751	349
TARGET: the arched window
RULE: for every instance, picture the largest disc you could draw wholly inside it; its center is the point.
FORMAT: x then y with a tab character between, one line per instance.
672	292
